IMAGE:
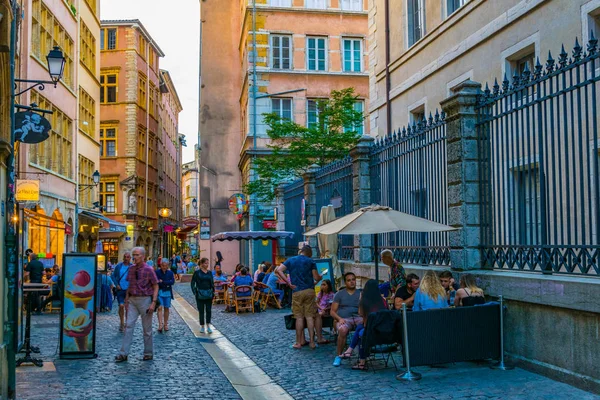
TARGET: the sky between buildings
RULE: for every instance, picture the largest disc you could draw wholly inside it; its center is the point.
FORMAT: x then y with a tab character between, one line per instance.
175	27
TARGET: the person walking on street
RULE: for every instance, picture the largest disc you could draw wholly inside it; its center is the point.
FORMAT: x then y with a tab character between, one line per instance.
166	280
120	280
140	300
203	287
303	275
175	264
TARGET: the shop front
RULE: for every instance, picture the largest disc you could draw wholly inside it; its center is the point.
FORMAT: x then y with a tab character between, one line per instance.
45	234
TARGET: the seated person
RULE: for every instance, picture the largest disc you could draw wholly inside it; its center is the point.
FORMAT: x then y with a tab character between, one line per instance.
344	311
243	279
238	268
261	274
47	276
430	294
272	284
324	301
449	285
218	275
268	274
406	293
468	294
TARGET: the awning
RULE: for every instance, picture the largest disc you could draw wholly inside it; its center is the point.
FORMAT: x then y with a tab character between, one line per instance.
110	235
183	232
43	220
252	235
113	226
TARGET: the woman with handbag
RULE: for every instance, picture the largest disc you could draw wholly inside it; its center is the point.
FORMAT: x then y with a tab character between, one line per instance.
203	287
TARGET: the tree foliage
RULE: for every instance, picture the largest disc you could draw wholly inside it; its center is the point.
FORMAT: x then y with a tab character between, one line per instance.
294	148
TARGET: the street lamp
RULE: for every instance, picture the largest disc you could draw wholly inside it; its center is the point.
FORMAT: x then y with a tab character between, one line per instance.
195	204
165	212
95	179
56	67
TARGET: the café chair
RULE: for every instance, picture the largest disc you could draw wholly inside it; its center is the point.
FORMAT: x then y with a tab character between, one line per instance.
243	298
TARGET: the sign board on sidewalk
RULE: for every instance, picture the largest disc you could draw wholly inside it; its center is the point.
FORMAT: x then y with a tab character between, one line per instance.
78	317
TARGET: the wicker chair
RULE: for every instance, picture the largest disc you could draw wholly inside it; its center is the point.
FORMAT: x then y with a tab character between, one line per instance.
243	298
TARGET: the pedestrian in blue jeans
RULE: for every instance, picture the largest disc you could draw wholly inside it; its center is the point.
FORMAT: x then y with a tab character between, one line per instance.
166	280
121	281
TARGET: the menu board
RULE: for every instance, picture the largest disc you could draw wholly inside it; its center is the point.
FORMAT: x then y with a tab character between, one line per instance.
78	319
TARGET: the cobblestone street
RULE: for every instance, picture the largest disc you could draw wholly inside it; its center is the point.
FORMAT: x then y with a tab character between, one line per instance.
182	369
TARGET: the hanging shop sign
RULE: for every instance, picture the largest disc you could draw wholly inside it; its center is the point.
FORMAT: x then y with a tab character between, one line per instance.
269	224
27	190
190	222
238	203
78	319
31	127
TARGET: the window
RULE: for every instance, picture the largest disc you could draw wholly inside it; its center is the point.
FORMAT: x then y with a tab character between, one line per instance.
86	171
281	3
87	54
282	107
152	100
108	88
321	4
151	147
142	95
314	108
142	43
187	210
108	141
453	5
352	55
55	153
529	212
108	196
359	106
351	5
416	21
417	114
316	54
141	145
526	62
46	33
92	5
87	113
151	58
281	52
108	39
187	191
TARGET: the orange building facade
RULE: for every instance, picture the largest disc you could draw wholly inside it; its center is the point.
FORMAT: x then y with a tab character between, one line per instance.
138	138
304	50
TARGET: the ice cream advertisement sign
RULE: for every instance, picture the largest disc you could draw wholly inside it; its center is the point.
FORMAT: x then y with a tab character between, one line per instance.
78	319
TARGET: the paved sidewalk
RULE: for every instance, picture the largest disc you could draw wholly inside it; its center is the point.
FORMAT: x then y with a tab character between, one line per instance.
181	369
308	374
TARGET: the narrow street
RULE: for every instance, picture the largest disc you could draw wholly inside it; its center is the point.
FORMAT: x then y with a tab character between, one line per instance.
183	369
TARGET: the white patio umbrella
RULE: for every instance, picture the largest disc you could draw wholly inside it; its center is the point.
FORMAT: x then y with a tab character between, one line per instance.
328	244
377	219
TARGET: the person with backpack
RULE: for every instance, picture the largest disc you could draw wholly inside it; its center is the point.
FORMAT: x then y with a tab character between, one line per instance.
121	281
175	265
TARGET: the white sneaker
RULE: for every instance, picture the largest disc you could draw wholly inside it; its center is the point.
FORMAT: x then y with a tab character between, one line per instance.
201	329
208	330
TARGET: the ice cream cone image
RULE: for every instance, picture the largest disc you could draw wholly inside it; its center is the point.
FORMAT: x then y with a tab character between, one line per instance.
81	343
80	290
78	325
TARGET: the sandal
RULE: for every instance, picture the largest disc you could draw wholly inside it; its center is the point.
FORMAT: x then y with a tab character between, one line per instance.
122	328
360	367
160	330
120	358
166	328
324	342
296	347
346	355
147	358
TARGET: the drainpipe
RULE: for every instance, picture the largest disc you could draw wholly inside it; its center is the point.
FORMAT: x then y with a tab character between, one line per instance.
254	126
388	84
147	131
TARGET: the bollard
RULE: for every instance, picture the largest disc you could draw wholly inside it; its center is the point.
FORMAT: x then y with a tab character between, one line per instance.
500	364
407	375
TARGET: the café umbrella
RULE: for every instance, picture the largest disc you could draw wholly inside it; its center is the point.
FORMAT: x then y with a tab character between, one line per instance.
376	219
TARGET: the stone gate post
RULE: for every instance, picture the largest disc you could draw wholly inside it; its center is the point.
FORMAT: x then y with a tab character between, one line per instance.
361	185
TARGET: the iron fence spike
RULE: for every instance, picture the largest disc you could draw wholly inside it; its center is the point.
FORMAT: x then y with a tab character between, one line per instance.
496	87
592	46
505	83
563	57
550	63
577	49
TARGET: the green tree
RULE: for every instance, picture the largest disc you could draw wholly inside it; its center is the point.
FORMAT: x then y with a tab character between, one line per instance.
294	148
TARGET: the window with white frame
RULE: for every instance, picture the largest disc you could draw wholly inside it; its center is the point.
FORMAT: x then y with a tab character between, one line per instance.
453	5
321	4
359	106
416	20
352	55
417	114
316	54
282	107
281	51
351	5
281	3
313	109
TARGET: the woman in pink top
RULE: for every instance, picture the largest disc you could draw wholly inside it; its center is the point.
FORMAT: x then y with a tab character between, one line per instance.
324	300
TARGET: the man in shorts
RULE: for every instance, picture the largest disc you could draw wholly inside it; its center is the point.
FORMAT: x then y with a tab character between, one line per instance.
344	311
121	281
302	279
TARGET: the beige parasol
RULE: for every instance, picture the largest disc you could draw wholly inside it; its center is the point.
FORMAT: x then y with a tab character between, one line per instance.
378	219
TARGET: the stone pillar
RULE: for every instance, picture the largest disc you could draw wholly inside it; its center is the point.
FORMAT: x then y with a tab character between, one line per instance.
361	196
310	197
280	204
463	176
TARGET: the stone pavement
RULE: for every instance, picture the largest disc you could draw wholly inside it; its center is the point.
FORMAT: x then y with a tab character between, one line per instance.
181	369
308	374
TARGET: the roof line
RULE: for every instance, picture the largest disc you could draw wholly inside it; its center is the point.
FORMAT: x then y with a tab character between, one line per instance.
134	22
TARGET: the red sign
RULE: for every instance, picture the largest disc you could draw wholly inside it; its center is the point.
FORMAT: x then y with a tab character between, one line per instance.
191	222
168	228
68	229
268	224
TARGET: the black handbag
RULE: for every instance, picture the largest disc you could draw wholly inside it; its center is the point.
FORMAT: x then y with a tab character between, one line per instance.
290	322
204	294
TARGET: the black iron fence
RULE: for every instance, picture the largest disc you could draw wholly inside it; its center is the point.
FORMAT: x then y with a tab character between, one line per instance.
538	146
408	173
